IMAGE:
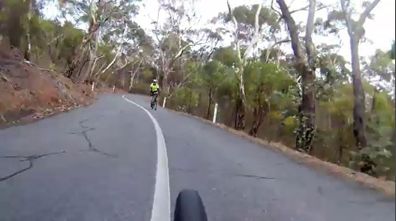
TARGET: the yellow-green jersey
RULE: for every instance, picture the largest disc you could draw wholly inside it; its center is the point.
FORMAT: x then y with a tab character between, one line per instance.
154	88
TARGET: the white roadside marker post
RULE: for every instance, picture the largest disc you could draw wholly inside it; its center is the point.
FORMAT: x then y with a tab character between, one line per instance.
215	113
164	103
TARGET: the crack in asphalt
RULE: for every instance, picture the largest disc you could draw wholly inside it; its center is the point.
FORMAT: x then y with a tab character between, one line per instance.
81	123
29	158
228	174
254	176
91	146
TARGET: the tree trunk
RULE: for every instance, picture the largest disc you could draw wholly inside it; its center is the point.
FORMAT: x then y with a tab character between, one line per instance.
306	130
305	65
239	123
241	106
91	73
2	24
259	114
165	82
132	80
356	32
359	122
209	104
91	62
74	70
340	153
28	50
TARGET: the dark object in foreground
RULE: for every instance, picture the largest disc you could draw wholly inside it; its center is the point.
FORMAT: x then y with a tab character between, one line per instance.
189	207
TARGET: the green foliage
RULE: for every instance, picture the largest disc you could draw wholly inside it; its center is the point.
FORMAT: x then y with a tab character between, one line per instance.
333	73
171	44
383	109
71	40
341	104
213	74
290	124
13	20
228	87
107	51
227	56
246	15
185	99
270	54
381	65
266	83
373	159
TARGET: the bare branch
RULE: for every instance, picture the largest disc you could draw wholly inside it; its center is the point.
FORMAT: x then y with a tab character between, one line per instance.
156	26
300	9
180	52
347	17
269	49
280	42
238	49
118	51
257	32
310	48
367	12
257	19
55	39
273	8
291	25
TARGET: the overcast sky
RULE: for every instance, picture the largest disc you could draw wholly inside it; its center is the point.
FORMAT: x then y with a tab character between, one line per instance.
380	31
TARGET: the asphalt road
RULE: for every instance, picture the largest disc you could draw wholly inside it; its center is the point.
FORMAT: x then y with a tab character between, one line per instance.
99	163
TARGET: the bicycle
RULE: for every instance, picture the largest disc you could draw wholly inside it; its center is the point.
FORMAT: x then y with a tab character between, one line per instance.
189	207
154	102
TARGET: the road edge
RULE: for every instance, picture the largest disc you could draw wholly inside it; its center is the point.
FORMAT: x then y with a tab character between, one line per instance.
384	186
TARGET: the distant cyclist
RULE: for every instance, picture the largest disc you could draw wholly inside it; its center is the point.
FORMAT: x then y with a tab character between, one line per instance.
154	91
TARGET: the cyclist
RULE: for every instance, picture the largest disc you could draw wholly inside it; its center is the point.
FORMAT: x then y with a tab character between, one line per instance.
154	91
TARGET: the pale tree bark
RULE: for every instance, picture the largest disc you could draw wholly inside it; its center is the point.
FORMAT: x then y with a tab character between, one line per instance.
356	32
306	67
166	66
28	50
183	20
92	71
118	52
133	75
74	69
82	55
240	109
92	59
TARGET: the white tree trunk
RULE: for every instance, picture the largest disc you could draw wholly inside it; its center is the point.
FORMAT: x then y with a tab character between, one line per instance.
28	35
118	53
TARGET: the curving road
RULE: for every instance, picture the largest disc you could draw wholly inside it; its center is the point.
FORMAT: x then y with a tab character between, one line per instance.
100	163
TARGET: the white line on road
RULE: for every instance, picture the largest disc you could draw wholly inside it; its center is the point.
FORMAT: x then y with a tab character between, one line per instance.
161	203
